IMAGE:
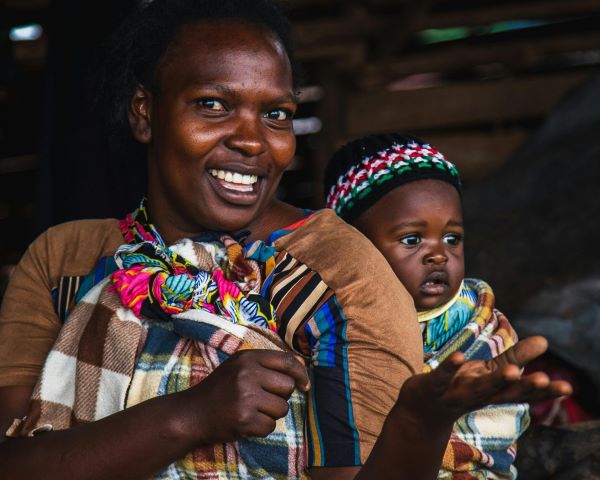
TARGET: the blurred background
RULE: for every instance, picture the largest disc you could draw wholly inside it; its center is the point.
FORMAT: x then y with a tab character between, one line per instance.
509	90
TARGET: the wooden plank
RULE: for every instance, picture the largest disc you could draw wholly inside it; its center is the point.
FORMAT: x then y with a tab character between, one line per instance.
26	4
22	163
502	11
456	57
477	154
469	103
353	26
317	32
350	53
291	5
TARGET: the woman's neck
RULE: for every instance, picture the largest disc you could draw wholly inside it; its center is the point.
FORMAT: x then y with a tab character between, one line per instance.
276	216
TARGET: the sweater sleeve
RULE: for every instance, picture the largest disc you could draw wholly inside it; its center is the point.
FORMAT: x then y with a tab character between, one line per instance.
29	323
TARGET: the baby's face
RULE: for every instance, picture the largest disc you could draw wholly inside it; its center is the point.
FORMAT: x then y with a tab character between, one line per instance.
418	227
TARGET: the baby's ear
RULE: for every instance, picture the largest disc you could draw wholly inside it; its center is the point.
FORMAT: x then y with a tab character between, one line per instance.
139	114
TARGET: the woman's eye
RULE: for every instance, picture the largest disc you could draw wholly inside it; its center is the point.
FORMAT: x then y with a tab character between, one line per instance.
452	239
279	114
410	240
212	104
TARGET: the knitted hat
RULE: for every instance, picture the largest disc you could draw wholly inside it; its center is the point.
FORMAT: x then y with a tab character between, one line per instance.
364	170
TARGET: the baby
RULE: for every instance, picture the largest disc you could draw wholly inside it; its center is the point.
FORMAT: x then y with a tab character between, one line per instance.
406	198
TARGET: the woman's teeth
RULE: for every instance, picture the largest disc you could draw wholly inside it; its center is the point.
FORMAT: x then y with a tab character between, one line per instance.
234	180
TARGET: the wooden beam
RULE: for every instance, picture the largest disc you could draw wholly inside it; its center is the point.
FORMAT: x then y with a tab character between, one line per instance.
501	11
26	4
22	163
377	25
346	54
469	103
477	154
299	4
317	32
458	57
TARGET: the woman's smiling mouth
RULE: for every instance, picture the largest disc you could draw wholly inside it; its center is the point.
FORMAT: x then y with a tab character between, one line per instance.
236	188
234	180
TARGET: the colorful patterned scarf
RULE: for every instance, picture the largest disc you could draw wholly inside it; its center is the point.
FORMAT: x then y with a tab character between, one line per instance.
483	443
157	281
160	324
441	324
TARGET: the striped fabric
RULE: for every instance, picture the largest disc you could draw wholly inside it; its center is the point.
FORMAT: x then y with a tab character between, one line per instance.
64	295
311	321
296	293
70	290
332	434
483	442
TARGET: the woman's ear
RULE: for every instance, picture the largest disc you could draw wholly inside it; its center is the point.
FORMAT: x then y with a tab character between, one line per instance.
140	108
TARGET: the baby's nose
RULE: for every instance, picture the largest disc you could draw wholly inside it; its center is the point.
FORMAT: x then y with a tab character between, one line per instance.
436	259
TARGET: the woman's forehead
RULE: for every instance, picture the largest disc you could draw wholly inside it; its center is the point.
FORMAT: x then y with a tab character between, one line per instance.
224	47
226	34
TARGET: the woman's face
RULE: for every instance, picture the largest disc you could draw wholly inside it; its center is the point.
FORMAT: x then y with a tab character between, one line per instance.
219	128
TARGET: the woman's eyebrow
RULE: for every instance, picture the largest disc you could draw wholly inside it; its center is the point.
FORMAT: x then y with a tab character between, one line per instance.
226	90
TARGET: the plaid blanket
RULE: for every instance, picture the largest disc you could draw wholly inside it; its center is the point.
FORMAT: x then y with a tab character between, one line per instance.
483	443
107	359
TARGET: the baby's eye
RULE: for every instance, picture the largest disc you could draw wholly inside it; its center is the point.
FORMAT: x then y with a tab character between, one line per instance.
452	239
212	104
279	114
410	240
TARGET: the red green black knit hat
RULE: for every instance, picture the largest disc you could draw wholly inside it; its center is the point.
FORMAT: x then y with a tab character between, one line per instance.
364	170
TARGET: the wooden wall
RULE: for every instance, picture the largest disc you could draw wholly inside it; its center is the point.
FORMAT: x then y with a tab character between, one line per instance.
476	97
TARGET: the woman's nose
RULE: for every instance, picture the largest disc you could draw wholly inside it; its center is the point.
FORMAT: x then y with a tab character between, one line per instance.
247	138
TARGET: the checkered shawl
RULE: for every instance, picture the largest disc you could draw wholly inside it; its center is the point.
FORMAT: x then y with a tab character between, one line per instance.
483	443
105	359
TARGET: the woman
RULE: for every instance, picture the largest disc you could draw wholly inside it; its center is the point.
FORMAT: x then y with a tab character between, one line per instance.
208	88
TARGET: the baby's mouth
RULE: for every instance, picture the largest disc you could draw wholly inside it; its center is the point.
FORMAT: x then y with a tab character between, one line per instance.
436	283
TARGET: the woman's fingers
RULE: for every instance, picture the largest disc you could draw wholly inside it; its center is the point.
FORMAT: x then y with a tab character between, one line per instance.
287	364
475	390
274	406
523	352
446	371
278	383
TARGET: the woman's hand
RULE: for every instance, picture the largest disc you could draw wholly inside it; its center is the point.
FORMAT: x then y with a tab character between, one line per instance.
459	386
243	397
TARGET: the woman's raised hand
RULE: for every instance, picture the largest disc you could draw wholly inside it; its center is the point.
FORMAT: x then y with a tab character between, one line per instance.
244	396
459	386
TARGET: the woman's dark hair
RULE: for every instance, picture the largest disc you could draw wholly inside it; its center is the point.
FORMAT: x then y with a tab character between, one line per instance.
133	52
